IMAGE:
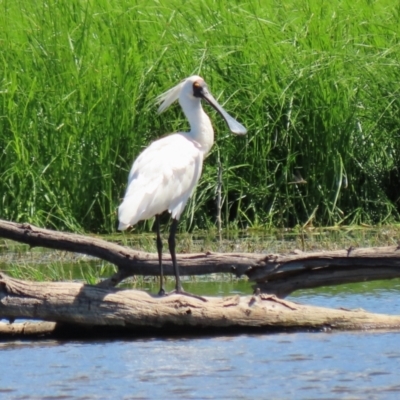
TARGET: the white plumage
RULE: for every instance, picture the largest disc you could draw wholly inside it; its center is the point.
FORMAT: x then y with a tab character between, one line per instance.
164	183
165	174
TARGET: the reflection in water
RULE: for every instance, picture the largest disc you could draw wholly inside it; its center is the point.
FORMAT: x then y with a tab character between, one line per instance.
285	366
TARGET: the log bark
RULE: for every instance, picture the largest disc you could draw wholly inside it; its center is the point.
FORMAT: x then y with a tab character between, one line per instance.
278	274
131	311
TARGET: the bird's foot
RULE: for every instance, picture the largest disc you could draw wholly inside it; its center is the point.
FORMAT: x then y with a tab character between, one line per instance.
161	292
182	292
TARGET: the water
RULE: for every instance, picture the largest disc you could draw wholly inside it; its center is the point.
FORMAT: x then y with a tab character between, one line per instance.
282	366
308	365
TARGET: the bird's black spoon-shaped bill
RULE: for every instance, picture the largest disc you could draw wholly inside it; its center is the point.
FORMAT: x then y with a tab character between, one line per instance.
234	126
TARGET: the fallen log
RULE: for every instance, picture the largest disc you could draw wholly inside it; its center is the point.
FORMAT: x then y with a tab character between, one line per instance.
128	261
75	307
283	274
278	274
27	329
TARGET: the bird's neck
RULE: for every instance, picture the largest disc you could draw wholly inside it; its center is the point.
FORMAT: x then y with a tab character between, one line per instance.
201	129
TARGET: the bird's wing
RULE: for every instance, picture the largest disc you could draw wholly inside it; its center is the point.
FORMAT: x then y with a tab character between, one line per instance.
163	177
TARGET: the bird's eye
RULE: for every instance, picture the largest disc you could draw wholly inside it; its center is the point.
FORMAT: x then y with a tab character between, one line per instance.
197	89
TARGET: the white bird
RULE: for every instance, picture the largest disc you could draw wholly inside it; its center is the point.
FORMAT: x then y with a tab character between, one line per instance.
165	174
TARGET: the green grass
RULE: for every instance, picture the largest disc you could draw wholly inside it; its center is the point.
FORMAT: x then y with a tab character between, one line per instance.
315	82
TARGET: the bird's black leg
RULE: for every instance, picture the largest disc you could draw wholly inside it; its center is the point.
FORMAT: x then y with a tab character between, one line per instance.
171	243
159	251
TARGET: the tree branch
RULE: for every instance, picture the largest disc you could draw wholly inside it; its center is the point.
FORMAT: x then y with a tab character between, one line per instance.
129	262
272	273
283	274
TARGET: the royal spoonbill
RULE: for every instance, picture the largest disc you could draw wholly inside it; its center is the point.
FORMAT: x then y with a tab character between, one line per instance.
165	174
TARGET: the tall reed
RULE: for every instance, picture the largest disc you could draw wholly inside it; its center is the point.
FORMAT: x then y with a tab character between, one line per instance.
315	82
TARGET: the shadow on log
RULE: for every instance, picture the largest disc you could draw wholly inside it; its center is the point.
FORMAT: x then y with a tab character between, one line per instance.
78	309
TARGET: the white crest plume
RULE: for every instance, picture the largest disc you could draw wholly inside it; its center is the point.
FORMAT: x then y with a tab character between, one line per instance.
167	98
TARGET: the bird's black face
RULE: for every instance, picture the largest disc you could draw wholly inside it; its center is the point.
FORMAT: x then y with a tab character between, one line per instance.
199	89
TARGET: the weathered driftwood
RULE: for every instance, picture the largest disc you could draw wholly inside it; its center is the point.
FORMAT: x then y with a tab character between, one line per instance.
272	273
128	261
283	274
132	311
27	329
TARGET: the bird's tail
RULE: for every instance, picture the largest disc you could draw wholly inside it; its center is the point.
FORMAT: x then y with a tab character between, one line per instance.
131	210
